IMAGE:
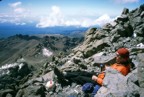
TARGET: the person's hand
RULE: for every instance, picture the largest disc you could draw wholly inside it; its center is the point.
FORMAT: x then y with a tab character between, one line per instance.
94	77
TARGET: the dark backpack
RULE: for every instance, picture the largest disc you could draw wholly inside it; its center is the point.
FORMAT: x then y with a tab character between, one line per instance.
88	87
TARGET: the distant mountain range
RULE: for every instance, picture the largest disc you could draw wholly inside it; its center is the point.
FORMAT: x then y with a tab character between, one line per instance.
7	30
35	48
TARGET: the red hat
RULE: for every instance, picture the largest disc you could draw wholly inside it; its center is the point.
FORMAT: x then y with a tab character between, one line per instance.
123	52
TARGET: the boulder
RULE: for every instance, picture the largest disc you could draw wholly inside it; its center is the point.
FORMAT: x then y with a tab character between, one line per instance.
133	76
123	18
108	26
101	33
20	93
23	69
125	11
97	46
141	70
7	93
117	85
33	91
100	58
139	30
125	30
141	91
141	8
90	31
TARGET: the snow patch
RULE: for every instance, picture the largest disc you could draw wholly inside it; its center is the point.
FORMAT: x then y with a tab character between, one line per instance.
46	52
140	45
7	66
5	69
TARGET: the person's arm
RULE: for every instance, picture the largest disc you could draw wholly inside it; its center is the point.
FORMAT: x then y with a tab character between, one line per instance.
99	79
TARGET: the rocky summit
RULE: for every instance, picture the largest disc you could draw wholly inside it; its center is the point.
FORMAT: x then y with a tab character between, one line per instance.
99	47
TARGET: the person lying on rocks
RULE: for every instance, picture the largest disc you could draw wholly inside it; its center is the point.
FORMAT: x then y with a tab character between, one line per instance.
90	81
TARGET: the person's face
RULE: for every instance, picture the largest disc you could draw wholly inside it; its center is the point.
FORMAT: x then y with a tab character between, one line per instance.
118	58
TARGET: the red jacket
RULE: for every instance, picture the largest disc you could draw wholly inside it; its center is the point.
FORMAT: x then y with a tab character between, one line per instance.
119	67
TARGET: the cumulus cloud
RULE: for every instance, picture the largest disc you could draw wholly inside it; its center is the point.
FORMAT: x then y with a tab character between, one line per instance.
18	15
103	20
16	4
16	19
126	1
17	7
56	18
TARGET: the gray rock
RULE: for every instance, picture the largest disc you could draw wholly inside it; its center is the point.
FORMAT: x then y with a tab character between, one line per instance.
34	91
117	85
108	26
132	76
142	14
140	30
125	11
141	70
7	93
115	37
136	21
90	31
123	18
20	93
48	76
141	91
141	8
113	24
99	45
125	30
70	66
100	34
104	59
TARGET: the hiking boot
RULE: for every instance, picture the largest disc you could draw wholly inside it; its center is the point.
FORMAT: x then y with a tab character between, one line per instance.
59	73
61	77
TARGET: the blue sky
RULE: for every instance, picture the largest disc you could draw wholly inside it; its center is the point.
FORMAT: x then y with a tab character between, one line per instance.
48	13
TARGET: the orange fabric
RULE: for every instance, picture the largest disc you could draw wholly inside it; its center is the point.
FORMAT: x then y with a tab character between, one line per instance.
100	78
119	67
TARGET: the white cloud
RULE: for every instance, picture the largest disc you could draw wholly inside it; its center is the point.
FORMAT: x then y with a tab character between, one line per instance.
16	4
18	16
17	7
103	20
85	22
56	18
56	10
18	19
20	23
126	1
19	10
